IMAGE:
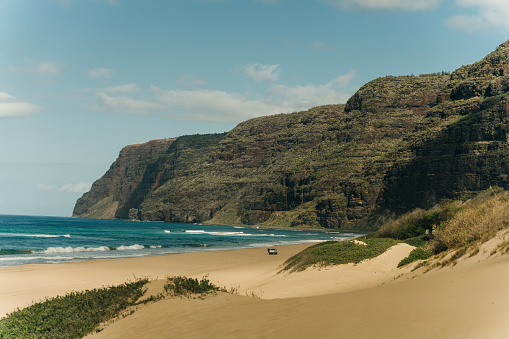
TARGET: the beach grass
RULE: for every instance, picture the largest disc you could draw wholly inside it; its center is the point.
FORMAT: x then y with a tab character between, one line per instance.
71	316
80	313
338	252
456	226
418	253
178	286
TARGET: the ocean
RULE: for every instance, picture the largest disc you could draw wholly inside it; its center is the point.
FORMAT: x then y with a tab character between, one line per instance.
49	240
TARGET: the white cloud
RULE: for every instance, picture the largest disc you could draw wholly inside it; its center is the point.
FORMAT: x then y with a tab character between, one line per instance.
81	187
41	69
13	107
129	88
46	188
125	104
216	106
467	23
259	72
227	107
49	69
490	13
302	97
392	5
100	73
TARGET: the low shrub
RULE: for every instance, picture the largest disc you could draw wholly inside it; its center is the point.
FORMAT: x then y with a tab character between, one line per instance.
184	285
336	253
418	241
416	254
73	315
415	223
479	220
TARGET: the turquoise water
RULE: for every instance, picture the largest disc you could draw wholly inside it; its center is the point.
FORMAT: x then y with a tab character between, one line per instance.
43	240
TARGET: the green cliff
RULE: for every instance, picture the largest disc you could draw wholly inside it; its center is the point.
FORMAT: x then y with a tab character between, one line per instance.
398	143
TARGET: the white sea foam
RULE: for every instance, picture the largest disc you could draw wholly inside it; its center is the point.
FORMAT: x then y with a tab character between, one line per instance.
166	231
15	258
132	247
284	243
69	249
340	238
237	234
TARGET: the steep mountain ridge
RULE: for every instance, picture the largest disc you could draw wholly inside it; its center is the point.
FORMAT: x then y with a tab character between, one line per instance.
398	143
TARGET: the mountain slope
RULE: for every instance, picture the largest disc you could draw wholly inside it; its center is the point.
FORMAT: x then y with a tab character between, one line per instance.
398	143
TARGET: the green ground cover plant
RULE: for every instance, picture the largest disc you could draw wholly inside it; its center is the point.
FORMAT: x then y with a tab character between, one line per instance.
179	285
460	225
417	254
80	313
71	316
338	252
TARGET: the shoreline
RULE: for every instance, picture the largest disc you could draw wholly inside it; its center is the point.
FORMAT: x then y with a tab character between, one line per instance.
22	285
367	300
76	242
298	228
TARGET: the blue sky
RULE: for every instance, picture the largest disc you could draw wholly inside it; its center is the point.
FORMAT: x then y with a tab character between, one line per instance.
80	79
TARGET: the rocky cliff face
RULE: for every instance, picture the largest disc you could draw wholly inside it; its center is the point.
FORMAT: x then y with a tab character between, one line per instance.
113	190
398	143
462	145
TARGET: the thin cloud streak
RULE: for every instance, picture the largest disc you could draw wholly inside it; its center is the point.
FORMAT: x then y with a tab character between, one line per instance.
227	107
100	73
80	188
490	14
259	72
390	5
11	106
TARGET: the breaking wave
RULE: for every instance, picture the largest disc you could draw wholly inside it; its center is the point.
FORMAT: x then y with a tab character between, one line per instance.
235	234
70	249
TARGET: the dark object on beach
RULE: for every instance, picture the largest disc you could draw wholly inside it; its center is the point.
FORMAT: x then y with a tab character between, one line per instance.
272	251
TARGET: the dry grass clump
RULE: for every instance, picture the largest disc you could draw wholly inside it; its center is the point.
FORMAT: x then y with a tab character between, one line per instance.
503	247
394	228
479	219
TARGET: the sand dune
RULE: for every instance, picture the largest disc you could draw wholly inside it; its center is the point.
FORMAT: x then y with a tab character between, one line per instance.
373	299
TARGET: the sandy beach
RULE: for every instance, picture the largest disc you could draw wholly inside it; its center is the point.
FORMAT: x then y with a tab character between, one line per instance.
373	299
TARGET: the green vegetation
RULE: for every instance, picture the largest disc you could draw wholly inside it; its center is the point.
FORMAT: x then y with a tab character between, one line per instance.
398	143
415	223
179	285
416	254
338	252
460	226
100	209
79	313
476	220
73	315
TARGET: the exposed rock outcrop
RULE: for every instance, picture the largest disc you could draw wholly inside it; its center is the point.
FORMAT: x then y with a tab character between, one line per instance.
398	143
